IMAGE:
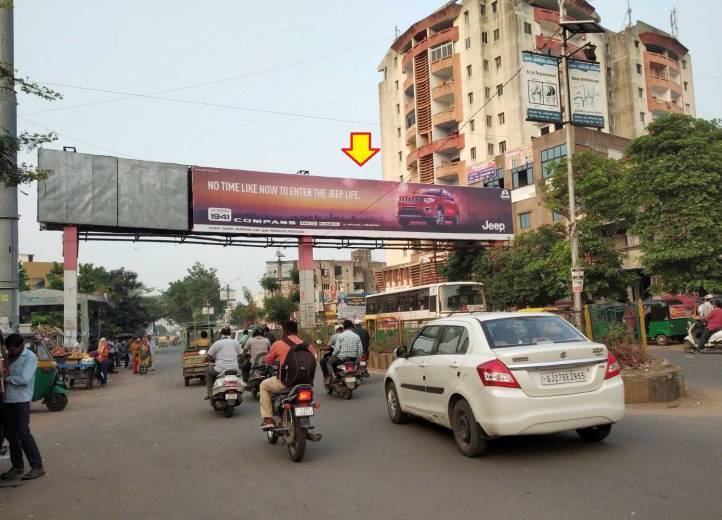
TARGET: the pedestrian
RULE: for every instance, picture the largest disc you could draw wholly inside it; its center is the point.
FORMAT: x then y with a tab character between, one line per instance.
111	356
364	335
103	360
152	347
144	356
714	324
135	355
19	381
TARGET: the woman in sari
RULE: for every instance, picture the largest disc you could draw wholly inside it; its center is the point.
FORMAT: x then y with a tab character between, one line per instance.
144	356
134	355
102	360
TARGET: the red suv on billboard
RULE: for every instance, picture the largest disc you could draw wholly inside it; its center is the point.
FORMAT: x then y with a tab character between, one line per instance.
435	206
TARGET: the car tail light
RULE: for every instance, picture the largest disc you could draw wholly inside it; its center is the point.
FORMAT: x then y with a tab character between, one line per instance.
350	368
496	373
613	366
305	395
364	357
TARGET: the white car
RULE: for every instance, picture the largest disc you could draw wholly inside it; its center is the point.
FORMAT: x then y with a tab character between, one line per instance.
490	375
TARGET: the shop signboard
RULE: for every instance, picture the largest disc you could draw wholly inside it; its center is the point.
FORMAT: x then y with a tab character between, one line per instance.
587	93
540	87
258	203
481	172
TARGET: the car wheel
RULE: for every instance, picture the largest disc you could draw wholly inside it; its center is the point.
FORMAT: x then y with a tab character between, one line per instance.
56	402
595	433
662	340
439	217
404	222
467	432
393	405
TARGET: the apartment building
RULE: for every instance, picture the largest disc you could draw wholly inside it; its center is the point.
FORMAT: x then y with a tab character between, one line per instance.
37	272
333	279
649	74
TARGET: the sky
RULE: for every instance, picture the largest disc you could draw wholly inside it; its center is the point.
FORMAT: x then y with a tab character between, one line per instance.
313	58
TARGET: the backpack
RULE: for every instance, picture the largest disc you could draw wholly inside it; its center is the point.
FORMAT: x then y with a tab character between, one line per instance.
300	365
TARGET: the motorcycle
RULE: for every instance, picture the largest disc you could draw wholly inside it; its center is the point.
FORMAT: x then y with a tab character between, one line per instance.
258	373
226	392
292	412
694	331
363	371
345	380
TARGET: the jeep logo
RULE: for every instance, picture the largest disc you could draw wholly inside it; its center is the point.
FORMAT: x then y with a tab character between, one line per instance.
219	214
505	195
493	226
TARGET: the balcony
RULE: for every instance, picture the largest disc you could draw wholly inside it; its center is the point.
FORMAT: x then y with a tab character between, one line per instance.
450	144
662	81
657	105
661	59
412	158
447	35
451	169
408	84
409	107
447	118
411	133
443	67
546	15
443	92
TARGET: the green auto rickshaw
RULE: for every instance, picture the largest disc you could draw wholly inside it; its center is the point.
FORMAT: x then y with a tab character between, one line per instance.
666	319
49	383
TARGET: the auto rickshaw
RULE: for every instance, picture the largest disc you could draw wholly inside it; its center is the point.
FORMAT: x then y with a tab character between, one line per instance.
666	319
195	364
49	384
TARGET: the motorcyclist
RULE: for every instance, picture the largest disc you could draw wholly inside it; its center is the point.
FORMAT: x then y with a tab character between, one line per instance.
254	347
706	307
348	347
364	335
329	350
225	354
714	324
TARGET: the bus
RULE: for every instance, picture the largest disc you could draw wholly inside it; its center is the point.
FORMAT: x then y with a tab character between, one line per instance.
394	316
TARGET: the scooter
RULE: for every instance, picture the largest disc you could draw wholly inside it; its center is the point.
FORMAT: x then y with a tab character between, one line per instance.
258	373
363	371
345	379
694	331
226	391
292	412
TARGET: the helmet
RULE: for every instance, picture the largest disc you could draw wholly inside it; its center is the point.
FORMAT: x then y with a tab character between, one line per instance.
357	321
708	297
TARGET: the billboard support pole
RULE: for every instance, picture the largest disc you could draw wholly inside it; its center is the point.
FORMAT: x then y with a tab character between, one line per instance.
70	287
307	308
9	276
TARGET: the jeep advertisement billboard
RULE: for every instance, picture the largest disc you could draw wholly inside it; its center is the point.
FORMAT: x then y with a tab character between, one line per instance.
258	203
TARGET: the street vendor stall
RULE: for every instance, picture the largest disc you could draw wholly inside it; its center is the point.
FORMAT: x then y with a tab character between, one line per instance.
80	366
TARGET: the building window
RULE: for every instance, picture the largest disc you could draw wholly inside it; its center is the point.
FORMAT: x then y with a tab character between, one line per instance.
398	132
466	16
500	90
640	92
497	61
398	108
484	37
609	72
642	116
502	146
498	181
482	9
397	84
467	43
545	130
607	49
522	176
556	216
396	61
490	149
401	157
487	92
493	7
337	270
610	95
684	64
442	51
486	65
472	125
525	220
611	121
636	44
468	71
411	119
471	97
496	34
527	27
501	118
688	107
639	68
473	152
548	157
685	86
488	121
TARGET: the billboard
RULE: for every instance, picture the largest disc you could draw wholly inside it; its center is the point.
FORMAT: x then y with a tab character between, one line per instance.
258	203
540	78
587	93
522	156
481	172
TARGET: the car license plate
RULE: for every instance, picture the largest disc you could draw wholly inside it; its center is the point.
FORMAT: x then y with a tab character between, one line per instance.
564	377
230	397
363	363
349	380
303	411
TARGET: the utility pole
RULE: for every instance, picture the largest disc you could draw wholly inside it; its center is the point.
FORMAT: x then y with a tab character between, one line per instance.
9	276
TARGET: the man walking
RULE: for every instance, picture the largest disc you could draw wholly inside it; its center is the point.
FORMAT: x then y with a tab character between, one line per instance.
19	381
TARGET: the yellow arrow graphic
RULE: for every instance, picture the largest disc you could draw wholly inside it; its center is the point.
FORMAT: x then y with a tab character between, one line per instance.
360	150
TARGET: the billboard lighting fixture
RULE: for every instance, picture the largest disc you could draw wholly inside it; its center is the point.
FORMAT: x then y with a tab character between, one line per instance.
303	172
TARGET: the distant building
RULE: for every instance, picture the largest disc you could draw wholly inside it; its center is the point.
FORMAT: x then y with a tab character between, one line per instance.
37	272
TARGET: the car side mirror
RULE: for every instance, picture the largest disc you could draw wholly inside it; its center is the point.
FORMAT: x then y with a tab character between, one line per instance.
401	352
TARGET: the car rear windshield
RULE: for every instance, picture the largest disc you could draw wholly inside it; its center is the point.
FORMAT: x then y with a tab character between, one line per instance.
531	330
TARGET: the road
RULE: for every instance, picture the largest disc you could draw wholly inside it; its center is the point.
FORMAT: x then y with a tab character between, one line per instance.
148	447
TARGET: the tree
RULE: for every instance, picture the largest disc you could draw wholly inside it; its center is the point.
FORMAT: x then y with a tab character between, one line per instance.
185	298
676	182
22	278
92	279
238	316
12	173
270	284
279	308
251	311
462	262
54	279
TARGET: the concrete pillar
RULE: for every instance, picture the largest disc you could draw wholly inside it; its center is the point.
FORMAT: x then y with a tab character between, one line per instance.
9	305
84	324
307	307
70	283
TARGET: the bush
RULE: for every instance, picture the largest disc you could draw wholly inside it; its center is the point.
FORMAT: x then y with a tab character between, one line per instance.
621	342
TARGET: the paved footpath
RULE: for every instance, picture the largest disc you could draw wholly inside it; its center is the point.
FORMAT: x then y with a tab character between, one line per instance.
148	447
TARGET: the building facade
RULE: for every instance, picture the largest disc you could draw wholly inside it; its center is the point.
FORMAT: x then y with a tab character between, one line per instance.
37	272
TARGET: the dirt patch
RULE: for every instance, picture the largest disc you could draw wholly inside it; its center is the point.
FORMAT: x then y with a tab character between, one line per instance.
695	402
